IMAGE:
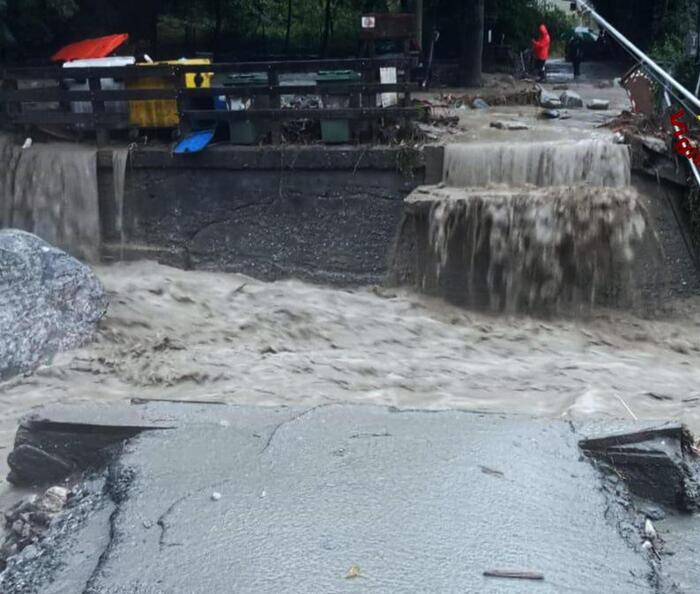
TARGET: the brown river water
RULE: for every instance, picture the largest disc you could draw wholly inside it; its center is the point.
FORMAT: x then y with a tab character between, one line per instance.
210	336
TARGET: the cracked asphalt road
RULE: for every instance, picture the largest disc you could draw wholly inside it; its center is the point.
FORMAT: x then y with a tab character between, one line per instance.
415	501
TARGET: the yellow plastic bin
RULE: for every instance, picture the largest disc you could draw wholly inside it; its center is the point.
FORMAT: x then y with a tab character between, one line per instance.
163	113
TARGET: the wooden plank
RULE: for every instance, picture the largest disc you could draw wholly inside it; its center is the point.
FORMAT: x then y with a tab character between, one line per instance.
514	575
58	94
107	119
126	72
323	89
310	114
183	103
9	107
672	430
116	72
275	104
98	106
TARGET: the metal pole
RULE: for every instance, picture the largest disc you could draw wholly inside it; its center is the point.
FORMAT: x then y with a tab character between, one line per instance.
640	54
697	46
697	33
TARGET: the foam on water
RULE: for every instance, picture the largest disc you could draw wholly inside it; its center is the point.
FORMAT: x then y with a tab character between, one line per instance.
51	190
526	249
590	162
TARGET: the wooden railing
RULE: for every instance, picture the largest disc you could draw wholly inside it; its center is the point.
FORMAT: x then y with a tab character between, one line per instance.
41	96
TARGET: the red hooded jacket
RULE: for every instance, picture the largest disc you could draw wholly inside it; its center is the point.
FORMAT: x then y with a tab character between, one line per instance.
540	47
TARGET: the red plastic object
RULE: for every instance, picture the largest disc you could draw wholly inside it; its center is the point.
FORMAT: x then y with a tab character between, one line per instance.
90	48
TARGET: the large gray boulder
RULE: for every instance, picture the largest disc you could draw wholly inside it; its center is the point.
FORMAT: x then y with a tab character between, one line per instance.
49	302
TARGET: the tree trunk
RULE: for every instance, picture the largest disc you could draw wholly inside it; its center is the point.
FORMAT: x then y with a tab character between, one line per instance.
218	21
288	34
472	43
153	30
326	29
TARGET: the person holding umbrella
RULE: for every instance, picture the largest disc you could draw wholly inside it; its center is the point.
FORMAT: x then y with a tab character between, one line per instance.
582	42
575	53
540	52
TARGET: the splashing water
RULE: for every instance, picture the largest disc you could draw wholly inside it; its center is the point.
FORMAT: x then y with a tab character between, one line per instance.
537	249
527	227
120	158
51	190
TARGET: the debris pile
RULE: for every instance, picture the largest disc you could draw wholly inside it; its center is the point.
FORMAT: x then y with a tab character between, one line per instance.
635	123
658	464
526	96
27	521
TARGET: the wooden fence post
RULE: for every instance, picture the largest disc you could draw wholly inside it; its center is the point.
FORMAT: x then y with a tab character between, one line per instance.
98	108
273	80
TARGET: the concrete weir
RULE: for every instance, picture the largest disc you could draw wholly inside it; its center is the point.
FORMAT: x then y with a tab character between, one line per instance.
341	498
529	249
325	214
546	226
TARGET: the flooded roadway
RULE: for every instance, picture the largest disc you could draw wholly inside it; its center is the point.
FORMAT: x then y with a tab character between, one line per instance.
208	336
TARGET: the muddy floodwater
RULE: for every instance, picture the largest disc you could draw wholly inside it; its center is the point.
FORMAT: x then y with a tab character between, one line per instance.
211	336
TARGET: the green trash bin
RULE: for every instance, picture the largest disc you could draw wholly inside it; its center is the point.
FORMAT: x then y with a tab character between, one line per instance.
242	131
336	131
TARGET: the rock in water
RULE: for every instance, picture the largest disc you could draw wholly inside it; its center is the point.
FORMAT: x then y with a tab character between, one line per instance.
599	105
509	125
49	302
549	100
551	114
571	99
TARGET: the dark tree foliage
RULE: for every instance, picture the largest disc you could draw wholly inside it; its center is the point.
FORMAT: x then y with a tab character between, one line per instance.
33	29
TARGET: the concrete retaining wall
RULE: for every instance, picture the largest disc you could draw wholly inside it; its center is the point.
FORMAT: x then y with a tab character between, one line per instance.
325	214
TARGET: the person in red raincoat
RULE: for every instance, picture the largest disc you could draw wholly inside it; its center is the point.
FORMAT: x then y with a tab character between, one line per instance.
540	51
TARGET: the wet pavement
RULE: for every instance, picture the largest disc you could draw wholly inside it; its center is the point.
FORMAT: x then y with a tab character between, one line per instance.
348	498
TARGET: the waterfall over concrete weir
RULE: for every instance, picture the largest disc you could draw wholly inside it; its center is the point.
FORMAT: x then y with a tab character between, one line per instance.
51	190
120	158
531	250
591	162
539	227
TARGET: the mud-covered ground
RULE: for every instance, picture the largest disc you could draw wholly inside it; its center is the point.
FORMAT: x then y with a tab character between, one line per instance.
210	336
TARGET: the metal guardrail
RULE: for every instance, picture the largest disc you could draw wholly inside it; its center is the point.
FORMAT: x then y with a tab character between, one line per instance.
644	59
667	81
54	98
639	54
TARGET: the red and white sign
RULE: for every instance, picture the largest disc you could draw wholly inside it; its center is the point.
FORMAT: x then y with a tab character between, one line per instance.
369	22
